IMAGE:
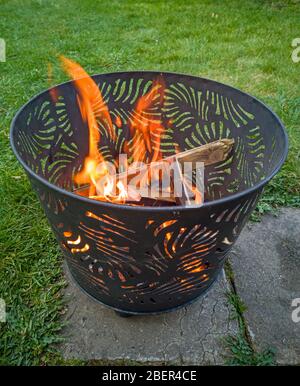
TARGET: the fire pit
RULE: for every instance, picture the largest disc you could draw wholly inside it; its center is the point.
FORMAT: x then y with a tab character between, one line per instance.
140	259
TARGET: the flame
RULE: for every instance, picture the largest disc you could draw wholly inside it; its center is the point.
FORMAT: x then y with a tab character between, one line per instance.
92	107
118	122
146	129
122	191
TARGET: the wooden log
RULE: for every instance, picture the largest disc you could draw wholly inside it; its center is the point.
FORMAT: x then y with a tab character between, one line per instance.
209	154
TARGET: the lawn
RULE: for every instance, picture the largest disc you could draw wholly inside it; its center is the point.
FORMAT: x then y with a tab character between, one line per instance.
244	44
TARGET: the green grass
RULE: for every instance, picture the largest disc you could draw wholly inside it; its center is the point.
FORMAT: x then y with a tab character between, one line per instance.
245	44
30	274
242	354
239	347
240	350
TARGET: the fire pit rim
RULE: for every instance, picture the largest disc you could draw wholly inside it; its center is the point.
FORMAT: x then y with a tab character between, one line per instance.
212	203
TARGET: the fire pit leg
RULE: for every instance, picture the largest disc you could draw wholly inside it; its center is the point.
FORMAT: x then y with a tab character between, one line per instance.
123	314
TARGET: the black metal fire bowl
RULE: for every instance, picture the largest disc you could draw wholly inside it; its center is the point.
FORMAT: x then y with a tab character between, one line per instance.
141	260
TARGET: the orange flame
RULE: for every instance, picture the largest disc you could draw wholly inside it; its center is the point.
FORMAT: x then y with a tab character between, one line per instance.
145	127
92	107
146	130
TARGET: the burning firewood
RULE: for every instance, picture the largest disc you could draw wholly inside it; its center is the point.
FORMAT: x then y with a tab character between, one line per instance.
208	154
146	129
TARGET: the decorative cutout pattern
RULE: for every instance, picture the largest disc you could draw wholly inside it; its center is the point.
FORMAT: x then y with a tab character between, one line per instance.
137	260
51	137
149	263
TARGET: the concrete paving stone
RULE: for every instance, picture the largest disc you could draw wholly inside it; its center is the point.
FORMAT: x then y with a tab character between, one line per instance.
190	335
266	265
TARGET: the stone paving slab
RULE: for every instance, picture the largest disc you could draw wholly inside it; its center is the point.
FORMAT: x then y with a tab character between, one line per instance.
191	335
266	265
